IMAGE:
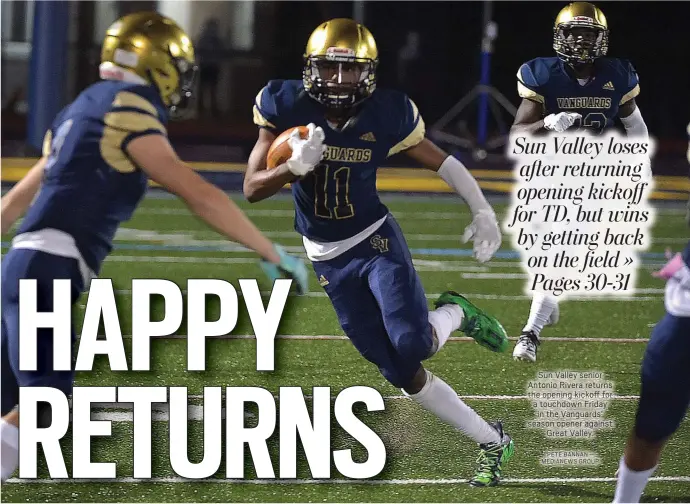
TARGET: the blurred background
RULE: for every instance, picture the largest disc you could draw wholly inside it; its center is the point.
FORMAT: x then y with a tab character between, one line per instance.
437	52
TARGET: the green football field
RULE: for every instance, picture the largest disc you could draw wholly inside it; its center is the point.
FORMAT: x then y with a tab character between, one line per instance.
426	460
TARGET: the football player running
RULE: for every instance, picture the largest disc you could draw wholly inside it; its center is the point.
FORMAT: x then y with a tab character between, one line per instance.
357	249
578	88
661	408
98	156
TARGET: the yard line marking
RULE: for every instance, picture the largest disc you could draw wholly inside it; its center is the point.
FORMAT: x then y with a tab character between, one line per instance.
420	264
490	297
418	481
196	411
340	337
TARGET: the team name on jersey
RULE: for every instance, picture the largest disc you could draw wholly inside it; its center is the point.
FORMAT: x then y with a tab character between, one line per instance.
584	102
349	154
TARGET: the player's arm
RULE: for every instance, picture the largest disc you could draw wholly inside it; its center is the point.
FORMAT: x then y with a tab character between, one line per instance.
18	199
156	157
453	172
628	111
483	230
528	118
260	183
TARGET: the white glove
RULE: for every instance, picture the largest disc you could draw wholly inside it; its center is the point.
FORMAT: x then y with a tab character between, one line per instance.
485	234
561	121
306	152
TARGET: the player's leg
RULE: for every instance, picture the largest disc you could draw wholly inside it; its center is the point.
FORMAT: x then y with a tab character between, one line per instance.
9	433
661	407
403	305
29	264
544	311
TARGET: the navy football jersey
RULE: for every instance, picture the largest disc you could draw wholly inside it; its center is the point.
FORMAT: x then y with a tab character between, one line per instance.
339	198
546	81
89	184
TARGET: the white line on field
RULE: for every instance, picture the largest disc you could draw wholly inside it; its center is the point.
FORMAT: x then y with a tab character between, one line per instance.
472	295
420	481
291	213
253	212
161	411
420	264
339	337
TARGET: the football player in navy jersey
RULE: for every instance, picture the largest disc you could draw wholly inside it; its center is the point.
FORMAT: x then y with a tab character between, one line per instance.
578	89
357	249
665	384
98	156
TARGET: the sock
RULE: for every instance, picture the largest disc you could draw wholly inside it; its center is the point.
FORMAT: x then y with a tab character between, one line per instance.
539	313
631	484
445	320
437	397
9	437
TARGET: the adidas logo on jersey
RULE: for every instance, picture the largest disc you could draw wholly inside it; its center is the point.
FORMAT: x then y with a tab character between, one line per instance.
368	137
609	86
322	281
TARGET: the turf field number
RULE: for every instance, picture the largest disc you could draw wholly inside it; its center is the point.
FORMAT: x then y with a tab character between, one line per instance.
325	178
594	121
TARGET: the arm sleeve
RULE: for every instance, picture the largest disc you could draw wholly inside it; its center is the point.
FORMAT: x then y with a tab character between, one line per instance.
411	129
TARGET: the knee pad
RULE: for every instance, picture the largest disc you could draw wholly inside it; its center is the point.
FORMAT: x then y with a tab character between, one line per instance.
415	346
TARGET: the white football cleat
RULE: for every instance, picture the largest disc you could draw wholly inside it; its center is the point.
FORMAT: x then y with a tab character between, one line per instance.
526	347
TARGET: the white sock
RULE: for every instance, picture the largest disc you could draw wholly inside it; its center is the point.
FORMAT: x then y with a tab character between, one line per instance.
437	397
539	313
445	320
631	484
9	438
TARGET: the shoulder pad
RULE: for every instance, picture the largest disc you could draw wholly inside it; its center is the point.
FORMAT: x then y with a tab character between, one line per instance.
139	99
532	76
536	72
133	113
273	101
407	123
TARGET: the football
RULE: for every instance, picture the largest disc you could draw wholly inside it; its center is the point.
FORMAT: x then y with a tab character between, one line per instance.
280	150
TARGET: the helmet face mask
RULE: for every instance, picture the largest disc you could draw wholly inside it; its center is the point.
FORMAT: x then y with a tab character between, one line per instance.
339	83
580	45
340	65
580	34
181	101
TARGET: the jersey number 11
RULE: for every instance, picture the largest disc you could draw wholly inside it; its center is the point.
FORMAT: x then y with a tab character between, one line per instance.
329	180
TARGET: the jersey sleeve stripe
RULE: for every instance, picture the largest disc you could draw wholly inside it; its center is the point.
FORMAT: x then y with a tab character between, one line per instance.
125	99
47	141
133	122
120	129
415	137
260	120
630	94
525	92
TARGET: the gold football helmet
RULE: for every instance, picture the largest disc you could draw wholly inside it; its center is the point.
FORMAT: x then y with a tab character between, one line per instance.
580	34
157	50
340	64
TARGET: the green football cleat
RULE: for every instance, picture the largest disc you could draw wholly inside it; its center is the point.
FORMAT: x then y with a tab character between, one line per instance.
482	327
492	458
